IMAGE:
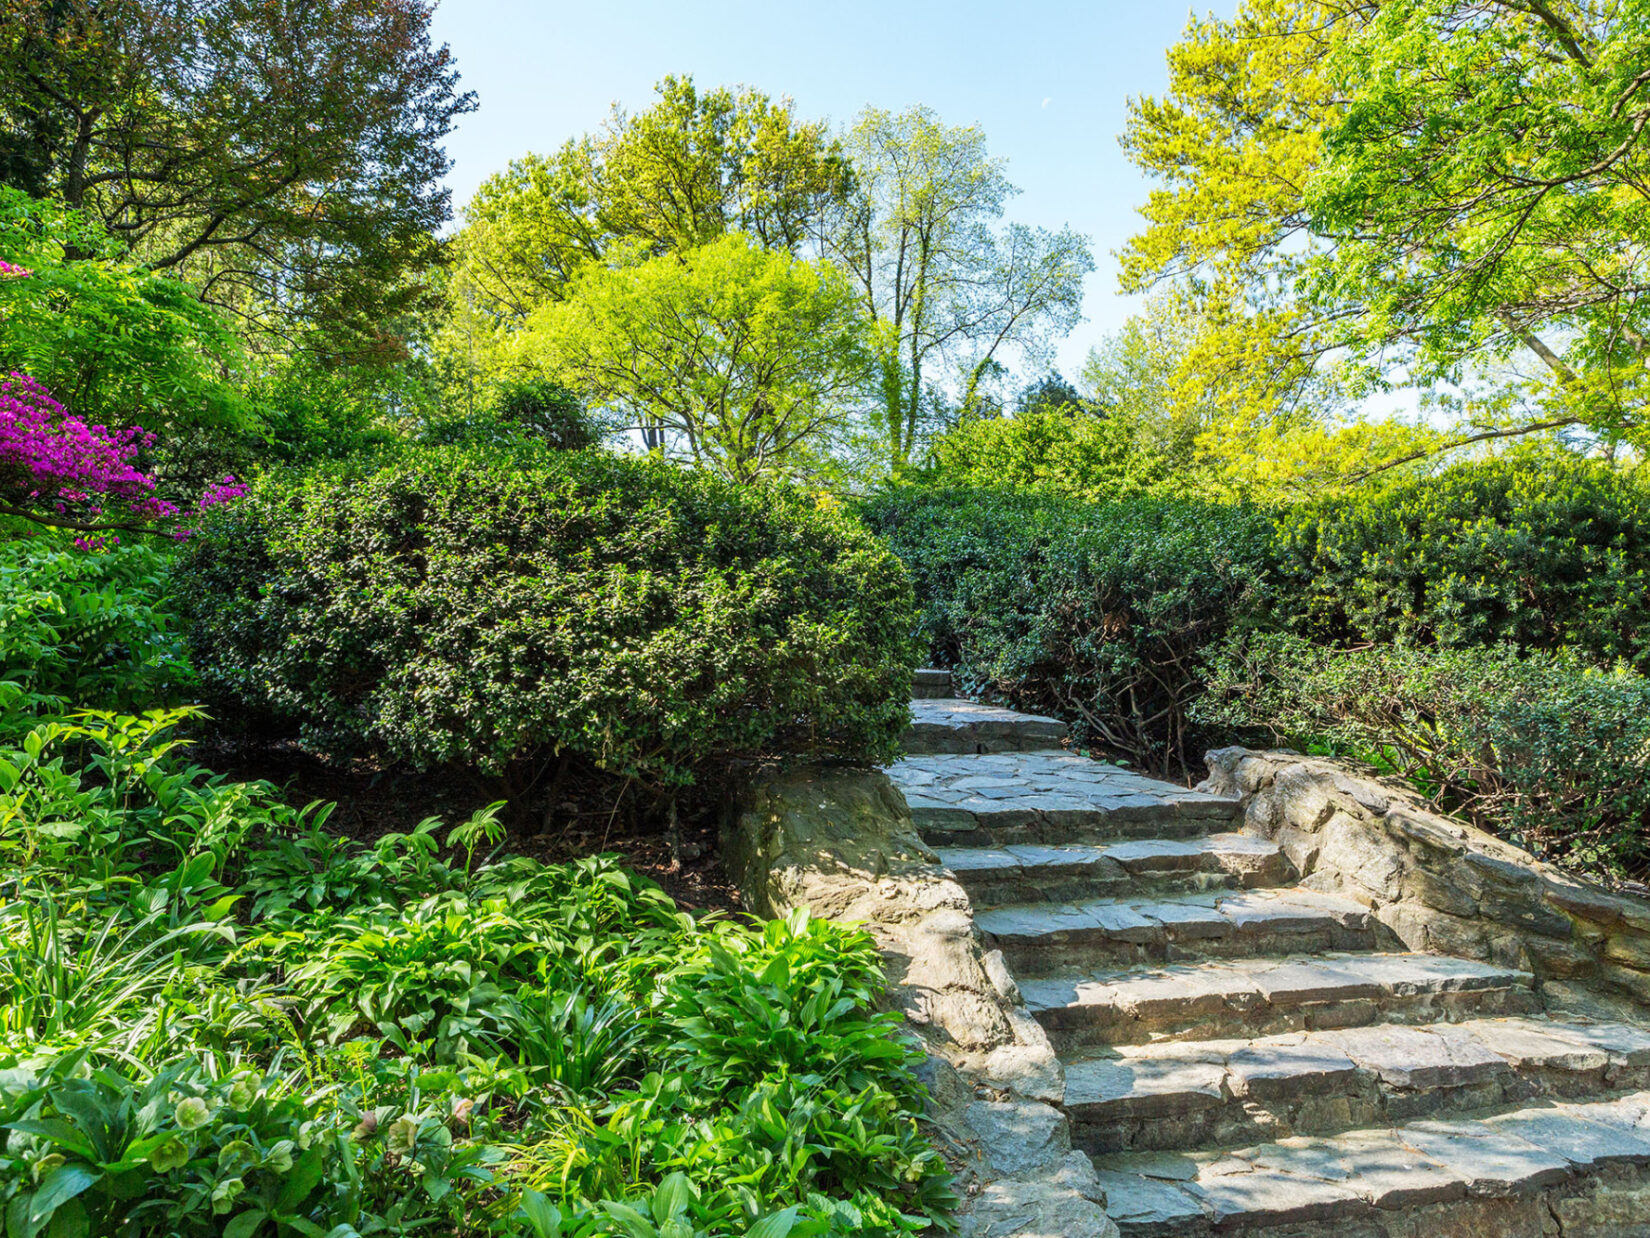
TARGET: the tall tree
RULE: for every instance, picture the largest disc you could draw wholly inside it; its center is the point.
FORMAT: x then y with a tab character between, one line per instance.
284	154
1485	188
734	355
694	166
1431	190
1232	144
943	281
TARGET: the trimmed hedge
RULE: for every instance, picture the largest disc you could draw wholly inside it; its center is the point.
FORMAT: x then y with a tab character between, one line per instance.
1097	613
464	606
1539	747
1540	552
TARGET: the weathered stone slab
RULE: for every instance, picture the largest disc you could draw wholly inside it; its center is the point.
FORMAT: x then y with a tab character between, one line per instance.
1281	1067
1147	1083
1230	997
1274	1196
929	682
1293	983
1019	1136
1051	796
954	725
1415	1180
1188	920
1489	1161
1529	1044
1419	1057
1145	1207
1566	1131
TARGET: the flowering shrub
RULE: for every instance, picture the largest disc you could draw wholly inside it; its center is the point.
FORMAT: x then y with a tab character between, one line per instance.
56	469
52	457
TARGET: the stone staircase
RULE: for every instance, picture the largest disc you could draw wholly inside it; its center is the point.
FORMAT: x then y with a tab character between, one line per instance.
1246	1056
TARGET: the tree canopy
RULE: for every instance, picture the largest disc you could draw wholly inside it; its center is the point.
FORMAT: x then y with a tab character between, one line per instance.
943	281
694	166
1408	191
1486	190
738	356
286	158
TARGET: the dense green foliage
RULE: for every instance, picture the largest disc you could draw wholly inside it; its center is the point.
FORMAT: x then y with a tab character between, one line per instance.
83	631
284	162
115	344
741	356
1441	194
219	1019
1542	747
547	410
473	607
1464	629
1539	552
1097	613
1060	450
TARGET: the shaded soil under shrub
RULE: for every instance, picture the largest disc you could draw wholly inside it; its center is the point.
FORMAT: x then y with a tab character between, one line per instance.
595	814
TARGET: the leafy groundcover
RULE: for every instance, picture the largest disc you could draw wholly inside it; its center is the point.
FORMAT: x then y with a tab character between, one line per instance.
220	1018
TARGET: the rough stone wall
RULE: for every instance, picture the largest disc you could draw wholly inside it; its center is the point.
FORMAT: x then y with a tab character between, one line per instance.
1436	884
842	843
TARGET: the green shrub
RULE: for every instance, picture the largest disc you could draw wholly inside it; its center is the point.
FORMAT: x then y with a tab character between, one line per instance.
548	411
84	630
1096	613
1540	552
1061	450
1541	747
467	607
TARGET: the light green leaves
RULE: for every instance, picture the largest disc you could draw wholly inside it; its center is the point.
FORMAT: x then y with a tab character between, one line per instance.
729	354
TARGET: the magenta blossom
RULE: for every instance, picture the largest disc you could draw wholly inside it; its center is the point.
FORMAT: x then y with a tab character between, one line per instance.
10	270
51	460
222	491
47	454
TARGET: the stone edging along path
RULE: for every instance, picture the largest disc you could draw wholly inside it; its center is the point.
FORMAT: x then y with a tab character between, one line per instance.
1290	1002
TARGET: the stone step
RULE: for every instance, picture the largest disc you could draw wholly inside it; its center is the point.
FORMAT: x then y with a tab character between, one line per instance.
1002	798
1552	1169
953	725
930	683
1232	998
1195	1094
1027	872
1039	938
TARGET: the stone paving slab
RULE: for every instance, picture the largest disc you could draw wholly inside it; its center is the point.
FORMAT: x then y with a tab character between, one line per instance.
930	683
1053	797
1167	1095
1302	1182
1072	872
1038	938
954	725
1260	996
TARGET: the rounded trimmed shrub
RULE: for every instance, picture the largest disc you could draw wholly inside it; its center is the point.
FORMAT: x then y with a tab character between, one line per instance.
489	608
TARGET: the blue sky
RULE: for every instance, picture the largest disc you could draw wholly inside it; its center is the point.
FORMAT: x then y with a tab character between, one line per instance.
1048	82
